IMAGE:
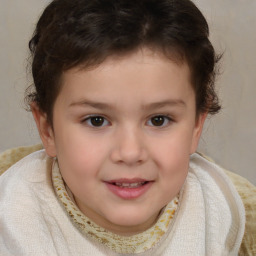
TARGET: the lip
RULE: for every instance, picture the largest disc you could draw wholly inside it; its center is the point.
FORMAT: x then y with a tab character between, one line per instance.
129	192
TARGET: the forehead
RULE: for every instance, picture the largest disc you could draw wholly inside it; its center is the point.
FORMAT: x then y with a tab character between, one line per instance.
144	75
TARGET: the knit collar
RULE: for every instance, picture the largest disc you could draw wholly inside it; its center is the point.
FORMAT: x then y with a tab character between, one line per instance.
121	244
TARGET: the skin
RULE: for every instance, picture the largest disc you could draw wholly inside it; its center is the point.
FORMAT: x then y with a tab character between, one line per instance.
147	130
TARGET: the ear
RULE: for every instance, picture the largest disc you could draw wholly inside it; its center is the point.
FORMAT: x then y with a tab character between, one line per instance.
197	131
45	130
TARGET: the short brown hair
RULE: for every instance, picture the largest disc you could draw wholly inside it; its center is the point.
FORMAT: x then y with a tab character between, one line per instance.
84	33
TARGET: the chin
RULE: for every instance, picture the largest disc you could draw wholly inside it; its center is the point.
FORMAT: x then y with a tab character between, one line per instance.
132	220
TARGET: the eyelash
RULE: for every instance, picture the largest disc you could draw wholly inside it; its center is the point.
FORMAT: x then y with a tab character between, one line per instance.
166	120
88	120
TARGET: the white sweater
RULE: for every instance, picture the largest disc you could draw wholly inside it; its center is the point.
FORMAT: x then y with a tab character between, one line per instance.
209	220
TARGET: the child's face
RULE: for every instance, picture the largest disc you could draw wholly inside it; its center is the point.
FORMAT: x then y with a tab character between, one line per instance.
123	134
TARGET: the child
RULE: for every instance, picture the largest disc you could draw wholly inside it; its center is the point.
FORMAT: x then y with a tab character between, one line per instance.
122	89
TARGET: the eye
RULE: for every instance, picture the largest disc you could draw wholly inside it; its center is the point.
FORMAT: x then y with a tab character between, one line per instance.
96	121
159	121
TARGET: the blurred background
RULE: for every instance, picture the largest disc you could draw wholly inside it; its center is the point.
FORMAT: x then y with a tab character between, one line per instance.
229	138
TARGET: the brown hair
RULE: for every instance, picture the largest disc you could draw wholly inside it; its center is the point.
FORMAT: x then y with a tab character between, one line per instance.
84	33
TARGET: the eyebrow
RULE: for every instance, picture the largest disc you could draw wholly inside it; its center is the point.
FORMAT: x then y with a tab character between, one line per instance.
98	105
154	105
161	104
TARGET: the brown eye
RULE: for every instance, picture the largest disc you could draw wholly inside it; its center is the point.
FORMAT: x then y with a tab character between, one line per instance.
159	121
96	121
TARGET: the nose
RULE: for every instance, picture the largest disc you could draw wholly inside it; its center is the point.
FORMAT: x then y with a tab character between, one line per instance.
129	148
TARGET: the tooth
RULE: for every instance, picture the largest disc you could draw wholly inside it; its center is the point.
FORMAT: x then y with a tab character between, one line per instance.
135	184
129	185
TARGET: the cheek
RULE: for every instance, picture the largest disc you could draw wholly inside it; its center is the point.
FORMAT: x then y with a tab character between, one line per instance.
174	165
82	160
173	147
172	159
74	142
80	167
173	174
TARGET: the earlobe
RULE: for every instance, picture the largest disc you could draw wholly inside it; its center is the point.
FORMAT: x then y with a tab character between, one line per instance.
45	130
197	131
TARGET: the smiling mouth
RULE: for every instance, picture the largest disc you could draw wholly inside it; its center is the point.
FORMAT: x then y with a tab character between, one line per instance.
129	188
